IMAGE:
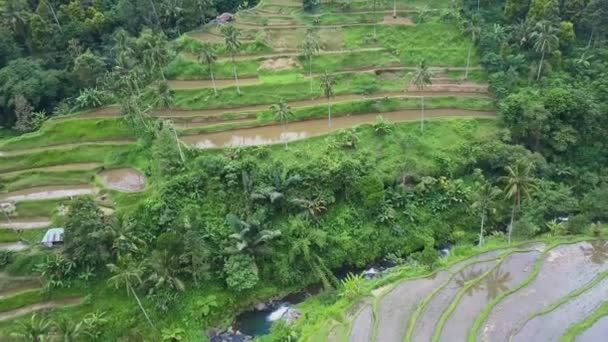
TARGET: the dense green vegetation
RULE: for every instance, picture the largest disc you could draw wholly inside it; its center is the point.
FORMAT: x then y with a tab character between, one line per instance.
217	231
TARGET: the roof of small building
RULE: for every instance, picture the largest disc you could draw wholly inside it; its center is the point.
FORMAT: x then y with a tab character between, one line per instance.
53	235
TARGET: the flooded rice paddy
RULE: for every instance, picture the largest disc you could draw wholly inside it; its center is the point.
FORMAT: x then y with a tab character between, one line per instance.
47	192
125	180
564	269
597	332
304	129
517	303
512	271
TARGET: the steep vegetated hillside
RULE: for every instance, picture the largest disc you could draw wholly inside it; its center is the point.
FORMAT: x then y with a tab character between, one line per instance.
202	165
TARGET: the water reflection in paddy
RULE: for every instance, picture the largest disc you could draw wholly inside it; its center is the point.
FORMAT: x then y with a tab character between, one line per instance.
304	129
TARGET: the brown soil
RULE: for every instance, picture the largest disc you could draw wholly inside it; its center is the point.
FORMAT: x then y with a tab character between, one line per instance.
47	192
190	84
279	64
26	224
15	313
125	180
390	20
64	167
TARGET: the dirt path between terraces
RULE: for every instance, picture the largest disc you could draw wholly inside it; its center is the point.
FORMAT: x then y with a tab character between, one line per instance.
51	304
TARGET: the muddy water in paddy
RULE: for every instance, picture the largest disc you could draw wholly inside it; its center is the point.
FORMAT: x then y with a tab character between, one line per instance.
125	180
13	246
564	269
425	326
26	224
362	326
551	326
511	272
47	192
597	332
304	129
187	84
396	308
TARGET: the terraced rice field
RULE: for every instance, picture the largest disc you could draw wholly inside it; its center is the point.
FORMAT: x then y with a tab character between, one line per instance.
70	156
533	292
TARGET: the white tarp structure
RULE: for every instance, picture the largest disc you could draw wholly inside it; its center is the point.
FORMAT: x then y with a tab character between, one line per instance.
53	237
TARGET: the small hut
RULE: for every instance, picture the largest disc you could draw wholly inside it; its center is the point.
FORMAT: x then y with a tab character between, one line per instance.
53	237
225	18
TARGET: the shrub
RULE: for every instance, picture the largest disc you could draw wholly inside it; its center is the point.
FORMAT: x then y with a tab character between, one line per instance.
6	257
577	224
241	272
372	191
352	286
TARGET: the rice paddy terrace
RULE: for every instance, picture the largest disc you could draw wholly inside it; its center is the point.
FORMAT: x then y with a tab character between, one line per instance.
533	292
371	54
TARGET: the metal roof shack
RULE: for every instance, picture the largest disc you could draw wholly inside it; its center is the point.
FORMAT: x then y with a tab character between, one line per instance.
53	237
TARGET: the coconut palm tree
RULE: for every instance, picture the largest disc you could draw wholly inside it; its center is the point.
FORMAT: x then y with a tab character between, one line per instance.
545	37
374	16
163	268
249	237
519	182
35	329
282	113
483	204
471	27
208	57
327	85
310	47
163	95
306	244
127	274
14	14
233	45
421	79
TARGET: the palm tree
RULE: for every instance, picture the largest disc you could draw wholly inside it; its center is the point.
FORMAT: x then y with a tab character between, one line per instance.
422	78
127	273
208	57
305	247
14	14
163	95
310	47
282	113
163	272
249	237
374	16
485	198
69	331
233	45
471	27
519	182
545	41
35	329
327	85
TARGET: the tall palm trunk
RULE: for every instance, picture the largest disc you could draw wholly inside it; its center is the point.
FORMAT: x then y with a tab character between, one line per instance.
515	205
422	114
394	8
52	10
213	79
375	37
236	76
155	12
481	231
310	71
129	288
542	58
284	131
329	110
179	146
466	70
478	5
